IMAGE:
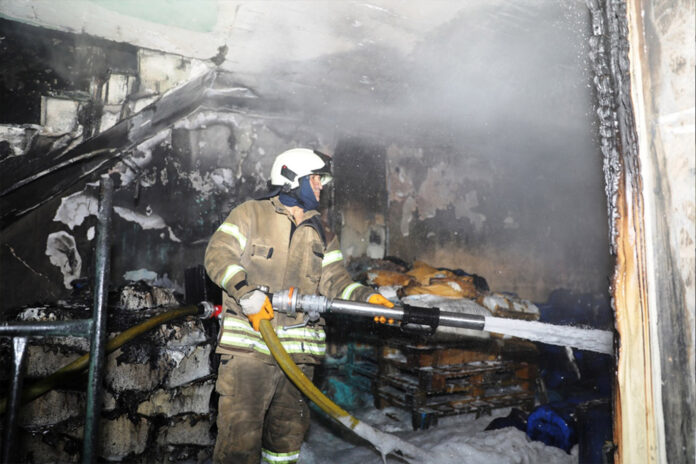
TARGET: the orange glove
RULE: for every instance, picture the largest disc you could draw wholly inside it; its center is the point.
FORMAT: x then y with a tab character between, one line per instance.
256	307
378	299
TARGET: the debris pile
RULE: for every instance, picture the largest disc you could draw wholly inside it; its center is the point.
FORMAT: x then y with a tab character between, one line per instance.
397	280
157	404
422	278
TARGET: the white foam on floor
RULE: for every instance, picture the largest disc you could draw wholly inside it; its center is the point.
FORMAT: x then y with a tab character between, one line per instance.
460	439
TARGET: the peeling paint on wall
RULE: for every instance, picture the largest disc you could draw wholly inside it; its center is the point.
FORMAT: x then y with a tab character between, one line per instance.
62	252
75	208
222	178
131	166
17	138
464	208
509	222
146	221
203	119
152	221
400	184
436	192
219	180
140	274
407	211
440	190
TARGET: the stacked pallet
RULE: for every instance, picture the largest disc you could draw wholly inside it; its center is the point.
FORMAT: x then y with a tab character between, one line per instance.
434	381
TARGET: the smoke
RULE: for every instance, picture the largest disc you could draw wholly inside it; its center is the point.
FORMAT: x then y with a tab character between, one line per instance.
481	68
502	86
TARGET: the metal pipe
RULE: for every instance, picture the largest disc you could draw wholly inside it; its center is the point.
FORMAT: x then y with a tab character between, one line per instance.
445	318
96	364
19	357
41	386
461	320
410	317
79	328
354	308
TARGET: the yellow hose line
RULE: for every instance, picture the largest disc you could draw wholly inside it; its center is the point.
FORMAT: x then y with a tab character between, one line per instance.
47	383
298	378
383	442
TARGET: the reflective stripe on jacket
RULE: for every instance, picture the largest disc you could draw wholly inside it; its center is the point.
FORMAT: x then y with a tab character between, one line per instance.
260	244
300	340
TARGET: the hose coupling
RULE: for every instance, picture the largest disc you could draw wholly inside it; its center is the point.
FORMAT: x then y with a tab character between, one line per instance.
285	301
209	311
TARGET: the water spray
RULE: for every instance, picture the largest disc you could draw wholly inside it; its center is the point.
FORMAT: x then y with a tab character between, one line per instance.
427	320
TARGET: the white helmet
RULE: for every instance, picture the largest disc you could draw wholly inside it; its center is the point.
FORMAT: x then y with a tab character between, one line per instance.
290	165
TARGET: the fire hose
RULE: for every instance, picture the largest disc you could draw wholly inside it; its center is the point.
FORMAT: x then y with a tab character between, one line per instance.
289	301
384	442
205	309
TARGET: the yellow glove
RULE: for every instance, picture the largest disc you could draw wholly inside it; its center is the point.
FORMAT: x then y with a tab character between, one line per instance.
378	299
256	307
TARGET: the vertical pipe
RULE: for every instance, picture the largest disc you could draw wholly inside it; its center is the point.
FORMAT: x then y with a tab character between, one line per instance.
20	348
387	175
98	336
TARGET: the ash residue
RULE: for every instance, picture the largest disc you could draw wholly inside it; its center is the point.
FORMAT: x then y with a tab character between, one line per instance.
140	351
141	295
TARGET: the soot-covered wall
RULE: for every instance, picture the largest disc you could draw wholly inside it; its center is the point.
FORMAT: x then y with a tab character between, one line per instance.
478	150
490	161
198	172
530	224
173	188
171	193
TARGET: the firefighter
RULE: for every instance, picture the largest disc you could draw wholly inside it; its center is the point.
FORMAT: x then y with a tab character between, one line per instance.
277	242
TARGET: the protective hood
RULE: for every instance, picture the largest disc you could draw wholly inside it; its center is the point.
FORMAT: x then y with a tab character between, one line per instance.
302	196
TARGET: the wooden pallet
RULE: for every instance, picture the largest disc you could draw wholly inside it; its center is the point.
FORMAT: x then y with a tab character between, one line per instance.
433	382
472	378
425	410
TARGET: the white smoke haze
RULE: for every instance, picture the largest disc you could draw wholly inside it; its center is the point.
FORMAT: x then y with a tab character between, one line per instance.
491	68
503	86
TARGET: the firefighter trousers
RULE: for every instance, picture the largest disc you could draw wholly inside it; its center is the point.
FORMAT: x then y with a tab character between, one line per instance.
261	414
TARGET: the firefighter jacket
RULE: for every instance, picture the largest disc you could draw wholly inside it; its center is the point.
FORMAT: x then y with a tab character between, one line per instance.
260	244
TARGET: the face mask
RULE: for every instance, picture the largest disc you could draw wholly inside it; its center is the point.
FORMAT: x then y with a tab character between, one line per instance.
302	196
